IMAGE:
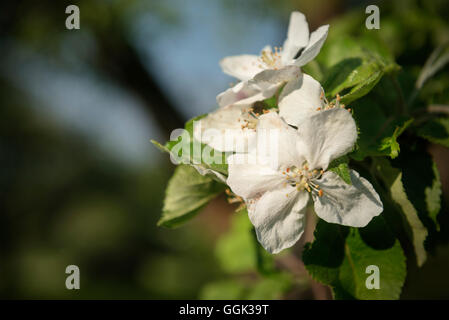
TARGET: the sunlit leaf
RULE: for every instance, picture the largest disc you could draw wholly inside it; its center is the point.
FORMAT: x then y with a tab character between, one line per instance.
187	192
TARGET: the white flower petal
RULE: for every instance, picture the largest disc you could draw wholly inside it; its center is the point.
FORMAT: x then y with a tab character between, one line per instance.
317	39
300	98
327	135
350	205
297	37
243	67
279	219
222	129
209	172
245	92
248	179
277	76
278	141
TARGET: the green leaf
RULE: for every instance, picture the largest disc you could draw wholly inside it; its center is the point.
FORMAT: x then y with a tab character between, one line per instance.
419	231
160	146
362	88
271	103
339	257
187	192
433	197
392	177
378	134
186	151
422	185
352	78
390	143
436	131
353	68
340	167
417	192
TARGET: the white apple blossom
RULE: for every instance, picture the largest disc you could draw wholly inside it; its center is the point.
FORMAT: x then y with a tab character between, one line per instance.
261	76
246	93
230	128
233	126
235	122
277	193
299	48
300	98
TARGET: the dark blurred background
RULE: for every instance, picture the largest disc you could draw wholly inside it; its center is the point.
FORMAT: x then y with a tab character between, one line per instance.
80	182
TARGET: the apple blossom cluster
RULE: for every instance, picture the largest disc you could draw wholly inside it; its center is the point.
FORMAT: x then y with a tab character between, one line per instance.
279	156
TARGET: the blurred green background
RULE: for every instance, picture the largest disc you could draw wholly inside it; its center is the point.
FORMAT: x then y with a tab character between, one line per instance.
80	182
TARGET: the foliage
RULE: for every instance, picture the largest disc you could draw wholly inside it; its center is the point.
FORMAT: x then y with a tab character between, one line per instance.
391	104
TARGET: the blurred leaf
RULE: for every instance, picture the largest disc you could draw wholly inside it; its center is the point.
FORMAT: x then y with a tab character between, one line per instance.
271	288
313	69
265	260
339	256
267	288
340	167
239	251
223	290
235	250
436	131
187	192
436	61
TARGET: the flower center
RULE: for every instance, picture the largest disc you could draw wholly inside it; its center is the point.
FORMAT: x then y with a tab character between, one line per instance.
302	178
272	60
330	105
250	117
